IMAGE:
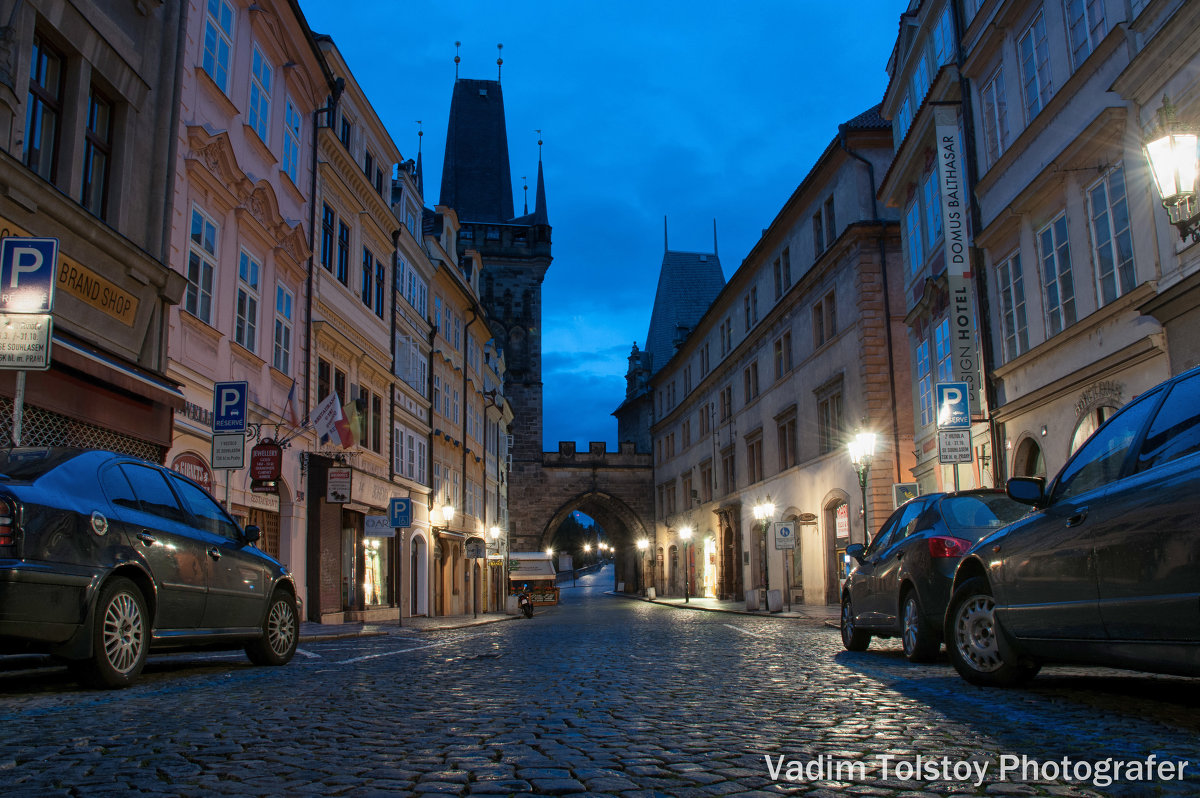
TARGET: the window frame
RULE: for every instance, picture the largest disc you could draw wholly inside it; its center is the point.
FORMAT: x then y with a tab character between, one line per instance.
1057	274
258	112
1121	275
197	298
247	298
219	32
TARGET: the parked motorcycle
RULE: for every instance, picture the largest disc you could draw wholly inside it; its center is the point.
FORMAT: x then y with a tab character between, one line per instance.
525	603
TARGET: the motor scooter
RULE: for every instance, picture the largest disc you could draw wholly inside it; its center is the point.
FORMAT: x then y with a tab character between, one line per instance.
525	603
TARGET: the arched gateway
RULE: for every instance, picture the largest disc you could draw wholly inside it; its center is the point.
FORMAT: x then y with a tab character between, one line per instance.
613	488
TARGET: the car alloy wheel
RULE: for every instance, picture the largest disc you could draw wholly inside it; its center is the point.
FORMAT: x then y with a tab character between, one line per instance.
123	633
853	638
280	632
975	634
281	628
920	644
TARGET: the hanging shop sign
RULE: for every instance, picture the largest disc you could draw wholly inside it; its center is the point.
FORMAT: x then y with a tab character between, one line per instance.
378	526
266	460
843	521
338	485
193	467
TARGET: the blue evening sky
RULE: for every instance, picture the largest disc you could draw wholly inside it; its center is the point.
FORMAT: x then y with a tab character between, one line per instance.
690	109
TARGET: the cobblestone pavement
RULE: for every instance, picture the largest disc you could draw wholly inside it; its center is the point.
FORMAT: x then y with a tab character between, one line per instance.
602	695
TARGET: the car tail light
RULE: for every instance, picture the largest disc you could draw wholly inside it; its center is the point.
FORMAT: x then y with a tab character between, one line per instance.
946	546
8	530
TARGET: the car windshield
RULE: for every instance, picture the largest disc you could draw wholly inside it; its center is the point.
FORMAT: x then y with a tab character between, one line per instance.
981	511
26	465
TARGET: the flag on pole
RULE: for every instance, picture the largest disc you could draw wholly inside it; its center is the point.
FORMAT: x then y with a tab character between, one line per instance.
290	412
350	427
326	415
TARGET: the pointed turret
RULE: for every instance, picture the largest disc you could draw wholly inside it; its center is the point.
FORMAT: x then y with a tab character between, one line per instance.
475	174
539	198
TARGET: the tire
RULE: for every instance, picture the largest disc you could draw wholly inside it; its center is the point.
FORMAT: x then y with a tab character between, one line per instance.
921	643
853	638
280	632
120	637
975	642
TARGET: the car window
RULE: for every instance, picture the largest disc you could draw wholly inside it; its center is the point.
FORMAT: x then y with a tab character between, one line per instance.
117	489
1175	431
153	493
883	538
1098	462
981	511
207	513
910	514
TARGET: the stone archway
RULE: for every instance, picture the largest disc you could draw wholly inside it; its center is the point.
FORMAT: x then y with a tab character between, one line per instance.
621	524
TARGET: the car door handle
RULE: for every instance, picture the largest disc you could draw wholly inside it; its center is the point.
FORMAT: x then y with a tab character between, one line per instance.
1078	517
146	538
214	552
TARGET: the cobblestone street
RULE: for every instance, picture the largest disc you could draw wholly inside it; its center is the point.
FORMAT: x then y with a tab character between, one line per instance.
602	695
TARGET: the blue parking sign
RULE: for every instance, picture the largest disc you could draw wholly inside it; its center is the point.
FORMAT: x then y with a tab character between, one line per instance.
400	511
229	406
27	269
953	405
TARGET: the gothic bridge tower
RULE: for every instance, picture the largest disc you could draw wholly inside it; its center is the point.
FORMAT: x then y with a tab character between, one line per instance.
515	252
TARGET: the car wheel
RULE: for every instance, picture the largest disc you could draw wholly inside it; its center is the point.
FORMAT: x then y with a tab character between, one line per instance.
853	638
975	642
280	633
920	642
120	637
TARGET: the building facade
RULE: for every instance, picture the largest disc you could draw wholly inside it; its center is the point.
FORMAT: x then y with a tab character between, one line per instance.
86	157
754	406
252	80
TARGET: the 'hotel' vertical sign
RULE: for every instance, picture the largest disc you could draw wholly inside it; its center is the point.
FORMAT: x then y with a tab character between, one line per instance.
955	203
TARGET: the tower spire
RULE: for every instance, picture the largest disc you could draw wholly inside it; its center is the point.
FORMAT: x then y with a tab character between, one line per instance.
456	59
525	188
499	60
420	170
539	198
666	246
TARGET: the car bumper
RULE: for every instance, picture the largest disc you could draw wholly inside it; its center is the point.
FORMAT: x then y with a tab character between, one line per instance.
42	602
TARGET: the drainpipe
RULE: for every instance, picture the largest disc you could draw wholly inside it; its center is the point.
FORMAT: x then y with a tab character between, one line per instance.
887	305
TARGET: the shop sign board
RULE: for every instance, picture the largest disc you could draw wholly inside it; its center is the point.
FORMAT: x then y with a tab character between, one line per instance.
192	466
475	549
378	526
266	461
903	491
228	450
338	485
954	446
843	521
25	340
785	535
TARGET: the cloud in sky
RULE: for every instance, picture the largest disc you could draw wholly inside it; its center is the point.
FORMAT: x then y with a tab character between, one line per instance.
690	109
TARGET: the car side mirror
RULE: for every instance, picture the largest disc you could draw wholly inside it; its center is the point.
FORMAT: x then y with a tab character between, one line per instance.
252	533
1027	490
856	550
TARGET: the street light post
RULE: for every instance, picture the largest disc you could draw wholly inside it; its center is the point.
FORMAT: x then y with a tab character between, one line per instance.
643	545
763	511
862	451
685	535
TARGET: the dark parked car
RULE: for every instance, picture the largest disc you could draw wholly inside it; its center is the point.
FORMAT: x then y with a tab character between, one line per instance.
1106	571
103	557
902	581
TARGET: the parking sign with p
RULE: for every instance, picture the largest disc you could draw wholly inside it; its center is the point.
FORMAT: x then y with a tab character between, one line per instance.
229	406
27	268
953	405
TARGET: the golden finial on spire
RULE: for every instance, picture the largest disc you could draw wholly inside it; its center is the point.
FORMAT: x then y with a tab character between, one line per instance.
499	61
539	132
420	134
456	59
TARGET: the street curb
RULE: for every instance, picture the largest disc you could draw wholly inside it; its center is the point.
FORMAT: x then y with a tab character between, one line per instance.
772	615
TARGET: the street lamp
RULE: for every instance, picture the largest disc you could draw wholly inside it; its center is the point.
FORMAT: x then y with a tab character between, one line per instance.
1172	155
862	451
643	545
685	535
763	511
